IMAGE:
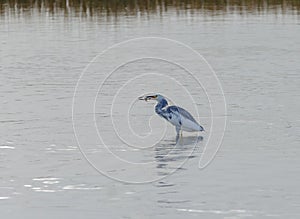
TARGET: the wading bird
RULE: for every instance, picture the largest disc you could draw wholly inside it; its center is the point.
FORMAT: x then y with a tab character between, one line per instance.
177	116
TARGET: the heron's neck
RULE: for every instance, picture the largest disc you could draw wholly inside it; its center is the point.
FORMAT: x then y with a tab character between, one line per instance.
159	108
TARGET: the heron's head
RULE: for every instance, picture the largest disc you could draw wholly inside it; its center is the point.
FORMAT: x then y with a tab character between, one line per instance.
156	97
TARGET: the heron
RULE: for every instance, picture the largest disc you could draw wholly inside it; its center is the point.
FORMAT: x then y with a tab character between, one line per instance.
177	116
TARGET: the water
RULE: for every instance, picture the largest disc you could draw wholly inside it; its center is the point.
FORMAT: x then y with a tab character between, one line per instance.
255	54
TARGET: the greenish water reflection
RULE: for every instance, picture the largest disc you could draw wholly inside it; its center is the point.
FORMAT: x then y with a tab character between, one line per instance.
144	7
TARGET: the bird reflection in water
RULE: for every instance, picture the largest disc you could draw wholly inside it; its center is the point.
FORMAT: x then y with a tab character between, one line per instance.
171	156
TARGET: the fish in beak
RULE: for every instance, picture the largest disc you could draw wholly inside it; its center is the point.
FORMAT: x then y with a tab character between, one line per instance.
147	98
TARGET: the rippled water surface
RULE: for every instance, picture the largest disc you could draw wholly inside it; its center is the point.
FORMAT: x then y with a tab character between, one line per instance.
254	50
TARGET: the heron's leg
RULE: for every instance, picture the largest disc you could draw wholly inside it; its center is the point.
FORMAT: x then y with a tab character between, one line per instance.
178	130
179	134
177	138
181	138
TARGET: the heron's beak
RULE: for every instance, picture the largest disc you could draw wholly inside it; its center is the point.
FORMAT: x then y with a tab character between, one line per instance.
147	98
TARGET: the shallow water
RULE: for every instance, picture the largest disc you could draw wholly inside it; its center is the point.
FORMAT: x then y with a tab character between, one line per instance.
256	171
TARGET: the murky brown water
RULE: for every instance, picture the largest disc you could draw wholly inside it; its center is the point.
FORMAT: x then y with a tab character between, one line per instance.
254	49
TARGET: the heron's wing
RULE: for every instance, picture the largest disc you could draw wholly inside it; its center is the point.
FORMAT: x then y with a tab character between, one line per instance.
182	112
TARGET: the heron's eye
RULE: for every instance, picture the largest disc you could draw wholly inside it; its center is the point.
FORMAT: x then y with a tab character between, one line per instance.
155	96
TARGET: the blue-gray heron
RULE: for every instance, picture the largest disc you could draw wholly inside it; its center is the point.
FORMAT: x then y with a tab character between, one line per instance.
177	116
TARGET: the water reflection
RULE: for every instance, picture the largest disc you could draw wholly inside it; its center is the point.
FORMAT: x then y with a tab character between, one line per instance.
170	156
138	7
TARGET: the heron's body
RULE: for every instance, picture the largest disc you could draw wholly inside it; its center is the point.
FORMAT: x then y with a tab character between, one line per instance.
177	116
